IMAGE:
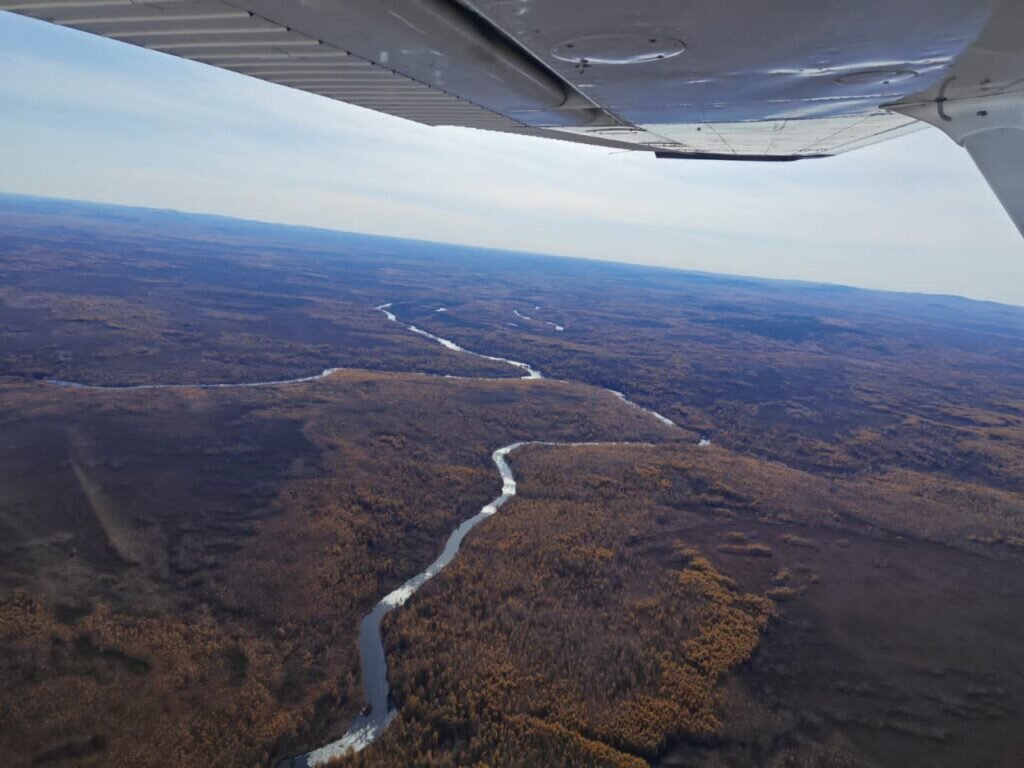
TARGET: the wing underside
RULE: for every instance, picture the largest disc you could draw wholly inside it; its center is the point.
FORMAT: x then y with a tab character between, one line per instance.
649	77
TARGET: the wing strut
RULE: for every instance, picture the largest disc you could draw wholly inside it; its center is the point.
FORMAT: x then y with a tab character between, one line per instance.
981	106
991	129
999	153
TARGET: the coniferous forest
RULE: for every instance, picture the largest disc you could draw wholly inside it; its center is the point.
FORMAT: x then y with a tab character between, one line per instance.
814	557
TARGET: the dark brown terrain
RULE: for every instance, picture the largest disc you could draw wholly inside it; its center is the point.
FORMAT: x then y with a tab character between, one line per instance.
835	580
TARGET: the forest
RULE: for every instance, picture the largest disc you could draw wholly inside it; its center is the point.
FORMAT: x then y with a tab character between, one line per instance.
649	605
193	589
833	578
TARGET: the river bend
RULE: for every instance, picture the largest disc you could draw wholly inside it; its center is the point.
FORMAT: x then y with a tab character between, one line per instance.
378	713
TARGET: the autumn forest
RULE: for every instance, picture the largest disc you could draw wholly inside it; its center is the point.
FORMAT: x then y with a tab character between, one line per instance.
815	557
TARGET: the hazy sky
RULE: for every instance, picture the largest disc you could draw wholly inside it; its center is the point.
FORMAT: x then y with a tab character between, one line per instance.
87	118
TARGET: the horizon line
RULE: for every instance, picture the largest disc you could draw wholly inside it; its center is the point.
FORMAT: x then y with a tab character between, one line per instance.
492	249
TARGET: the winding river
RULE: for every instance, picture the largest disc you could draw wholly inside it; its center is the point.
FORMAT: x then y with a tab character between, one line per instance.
365	729
378	713
230	385
558	328
530	373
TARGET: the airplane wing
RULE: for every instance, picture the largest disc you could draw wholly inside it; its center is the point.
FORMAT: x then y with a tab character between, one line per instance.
718	79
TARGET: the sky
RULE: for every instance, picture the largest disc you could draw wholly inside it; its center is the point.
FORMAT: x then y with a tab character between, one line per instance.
87	118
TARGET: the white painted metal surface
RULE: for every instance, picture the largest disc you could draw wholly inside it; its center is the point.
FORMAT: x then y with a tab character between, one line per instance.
743	78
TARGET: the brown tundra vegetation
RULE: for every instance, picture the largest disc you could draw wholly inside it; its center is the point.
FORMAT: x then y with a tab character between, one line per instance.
834	581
